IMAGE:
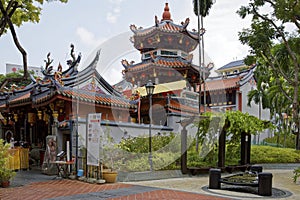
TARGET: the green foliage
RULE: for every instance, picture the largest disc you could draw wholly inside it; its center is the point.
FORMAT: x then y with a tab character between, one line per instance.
5	173
296	174
205	6
22	11
268	154
274	47
196	160
164	159
18	74
289	142
141	144
3	152
133	153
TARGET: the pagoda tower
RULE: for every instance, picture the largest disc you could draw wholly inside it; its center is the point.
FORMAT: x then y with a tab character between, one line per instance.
165	53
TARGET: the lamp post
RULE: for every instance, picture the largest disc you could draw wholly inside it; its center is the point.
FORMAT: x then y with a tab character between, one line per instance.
150	89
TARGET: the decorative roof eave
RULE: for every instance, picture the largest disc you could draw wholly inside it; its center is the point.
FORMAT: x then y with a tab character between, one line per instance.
158	63
222	84
231	65
85	99
182	111
22	100
169	28
222	89
174	105
98	99
246	78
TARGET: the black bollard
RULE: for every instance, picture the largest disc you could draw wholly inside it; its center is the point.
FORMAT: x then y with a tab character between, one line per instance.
256	168
265	184
214	179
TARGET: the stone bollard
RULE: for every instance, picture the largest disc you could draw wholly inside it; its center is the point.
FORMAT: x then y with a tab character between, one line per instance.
265	184
214	179
256	168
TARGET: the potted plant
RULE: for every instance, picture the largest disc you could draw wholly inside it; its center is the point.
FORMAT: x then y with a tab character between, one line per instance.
5	173
110	152
5	176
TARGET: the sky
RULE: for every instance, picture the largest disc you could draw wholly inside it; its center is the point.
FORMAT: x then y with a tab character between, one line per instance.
104	24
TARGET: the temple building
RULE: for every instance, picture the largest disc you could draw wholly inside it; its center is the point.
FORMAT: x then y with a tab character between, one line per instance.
166	60
166	53
54	108
31	112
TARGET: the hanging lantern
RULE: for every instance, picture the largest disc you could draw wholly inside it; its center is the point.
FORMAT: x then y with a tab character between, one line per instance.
31	118
39	114
154	73
55	115
16	117
157	38
46	117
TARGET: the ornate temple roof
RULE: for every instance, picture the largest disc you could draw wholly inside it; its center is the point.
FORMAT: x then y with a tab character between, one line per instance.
229	82
162	62
86	86
156	36
236	63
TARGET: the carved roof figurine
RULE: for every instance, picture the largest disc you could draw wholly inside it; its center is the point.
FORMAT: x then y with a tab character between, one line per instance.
88	86
166	14
74	61
125	63
58	76
48	68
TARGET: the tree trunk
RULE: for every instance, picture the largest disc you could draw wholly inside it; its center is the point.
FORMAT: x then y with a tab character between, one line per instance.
6	20
296	105
20	48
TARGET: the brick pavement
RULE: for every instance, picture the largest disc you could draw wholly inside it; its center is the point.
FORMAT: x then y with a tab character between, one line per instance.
72	189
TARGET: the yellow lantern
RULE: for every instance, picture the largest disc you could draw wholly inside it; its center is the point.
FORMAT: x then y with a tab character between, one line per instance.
55	115
16	117
39	114
45	117
31	118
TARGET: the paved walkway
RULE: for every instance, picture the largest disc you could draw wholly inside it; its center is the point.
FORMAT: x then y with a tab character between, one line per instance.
32	185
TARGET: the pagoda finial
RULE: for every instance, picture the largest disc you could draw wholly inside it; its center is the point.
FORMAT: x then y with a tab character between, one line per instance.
166	15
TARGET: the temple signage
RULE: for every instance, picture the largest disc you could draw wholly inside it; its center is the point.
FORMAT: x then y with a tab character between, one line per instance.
94	133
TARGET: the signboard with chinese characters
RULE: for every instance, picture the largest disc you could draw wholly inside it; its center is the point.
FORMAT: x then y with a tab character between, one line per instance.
94	135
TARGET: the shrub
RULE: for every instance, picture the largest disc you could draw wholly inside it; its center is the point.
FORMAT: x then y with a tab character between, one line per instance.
268	154
296	174
141	144
5	172
289	142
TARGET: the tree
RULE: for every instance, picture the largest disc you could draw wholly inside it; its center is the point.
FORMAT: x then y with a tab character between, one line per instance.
272	41
15	13
201	9
234	124
259	95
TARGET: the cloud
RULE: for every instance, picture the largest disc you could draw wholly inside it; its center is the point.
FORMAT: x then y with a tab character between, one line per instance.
113	15
88	38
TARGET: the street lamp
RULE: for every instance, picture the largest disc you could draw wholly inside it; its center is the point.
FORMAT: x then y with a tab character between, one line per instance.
150	89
